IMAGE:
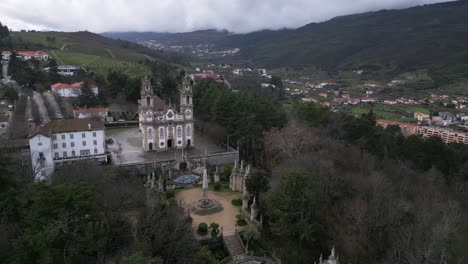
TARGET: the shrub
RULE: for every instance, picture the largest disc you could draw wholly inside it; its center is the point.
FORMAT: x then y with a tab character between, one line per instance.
217	186
236	202
170	194
241	220
202	229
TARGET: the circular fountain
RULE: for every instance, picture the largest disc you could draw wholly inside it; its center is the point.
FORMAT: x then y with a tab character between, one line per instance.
205	205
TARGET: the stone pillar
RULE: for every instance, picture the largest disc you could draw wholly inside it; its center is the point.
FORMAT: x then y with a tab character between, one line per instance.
216	175
160	183
253	210
5	69
245	201
152	180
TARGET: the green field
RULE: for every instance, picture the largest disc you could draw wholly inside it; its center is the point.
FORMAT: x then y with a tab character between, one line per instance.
94	52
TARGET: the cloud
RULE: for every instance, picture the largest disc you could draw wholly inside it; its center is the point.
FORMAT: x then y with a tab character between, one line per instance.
182	15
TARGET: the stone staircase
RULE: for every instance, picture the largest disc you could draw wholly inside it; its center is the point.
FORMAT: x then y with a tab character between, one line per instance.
234	245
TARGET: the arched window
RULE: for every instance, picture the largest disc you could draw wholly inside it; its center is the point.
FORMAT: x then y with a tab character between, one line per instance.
161	133
187	100
179	131
189	130
150	133
148	101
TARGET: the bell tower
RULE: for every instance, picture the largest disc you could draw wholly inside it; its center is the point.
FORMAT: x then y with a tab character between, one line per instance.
186	98
146	93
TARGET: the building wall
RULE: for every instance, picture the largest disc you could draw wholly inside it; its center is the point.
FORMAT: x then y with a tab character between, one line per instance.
73	92
41	146
66	147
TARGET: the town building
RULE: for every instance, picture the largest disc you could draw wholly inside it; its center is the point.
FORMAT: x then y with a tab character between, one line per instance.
447	135
26	55
71	90
406	128
421	117
65	141
163	126
68	70
100	113
208	75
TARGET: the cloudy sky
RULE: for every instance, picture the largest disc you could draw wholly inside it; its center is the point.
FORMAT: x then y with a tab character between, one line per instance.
182	15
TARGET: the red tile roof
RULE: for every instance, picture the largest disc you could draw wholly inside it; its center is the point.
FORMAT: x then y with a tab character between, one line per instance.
67	125
76	85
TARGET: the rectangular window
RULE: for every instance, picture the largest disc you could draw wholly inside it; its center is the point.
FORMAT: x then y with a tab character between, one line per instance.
72	144
55	146
84	152
84	143
56	156
64	145
73	153
63	136
39	144
43	173
54	137
94	134
95	151
83	135
65	154
71	136
95	142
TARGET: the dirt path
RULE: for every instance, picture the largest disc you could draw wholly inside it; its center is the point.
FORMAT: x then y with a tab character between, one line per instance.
55	111
44	116
226	218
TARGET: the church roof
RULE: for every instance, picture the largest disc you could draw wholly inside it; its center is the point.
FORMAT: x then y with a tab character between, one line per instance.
159	104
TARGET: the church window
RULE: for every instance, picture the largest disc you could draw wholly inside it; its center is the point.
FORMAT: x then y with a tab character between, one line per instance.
187	100
189	130
150	133
148	101
179	131
161	133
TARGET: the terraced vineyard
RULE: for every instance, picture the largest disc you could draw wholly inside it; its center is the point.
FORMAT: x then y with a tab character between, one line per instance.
94	52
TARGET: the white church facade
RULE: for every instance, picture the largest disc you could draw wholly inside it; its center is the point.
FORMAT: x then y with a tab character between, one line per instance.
162	125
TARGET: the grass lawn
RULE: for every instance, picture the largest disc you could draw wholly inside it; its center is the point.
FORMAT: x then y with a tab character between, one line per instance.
72	58
414	108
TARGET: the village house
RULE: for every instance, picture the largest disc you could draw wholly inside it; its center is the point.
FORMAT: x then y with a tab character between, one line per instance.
82	113
390	102
208	75
421	116
65	141
367	99
68	70
70	90
26	55
324	95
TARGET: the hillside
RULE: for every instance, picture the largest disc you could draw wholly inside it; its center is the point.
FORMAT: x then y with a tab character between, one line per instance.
94	52
190	38
384	43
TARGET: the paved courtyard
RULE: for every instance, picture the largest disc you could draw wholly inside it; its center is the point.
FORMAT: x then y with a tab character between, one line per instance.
127	149
226	218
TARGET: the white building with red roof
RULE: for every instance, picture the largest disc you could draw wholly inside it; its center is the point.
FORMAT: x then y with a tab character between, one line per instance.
26	55
64	141
100	113
68	90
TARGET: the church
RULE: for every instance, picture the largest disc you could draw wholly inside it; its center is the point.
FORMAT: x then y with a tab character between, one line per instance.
163	126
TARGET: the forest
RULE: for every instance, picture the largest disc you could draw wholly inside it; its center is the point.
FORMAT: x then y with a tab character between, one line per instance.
329	179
